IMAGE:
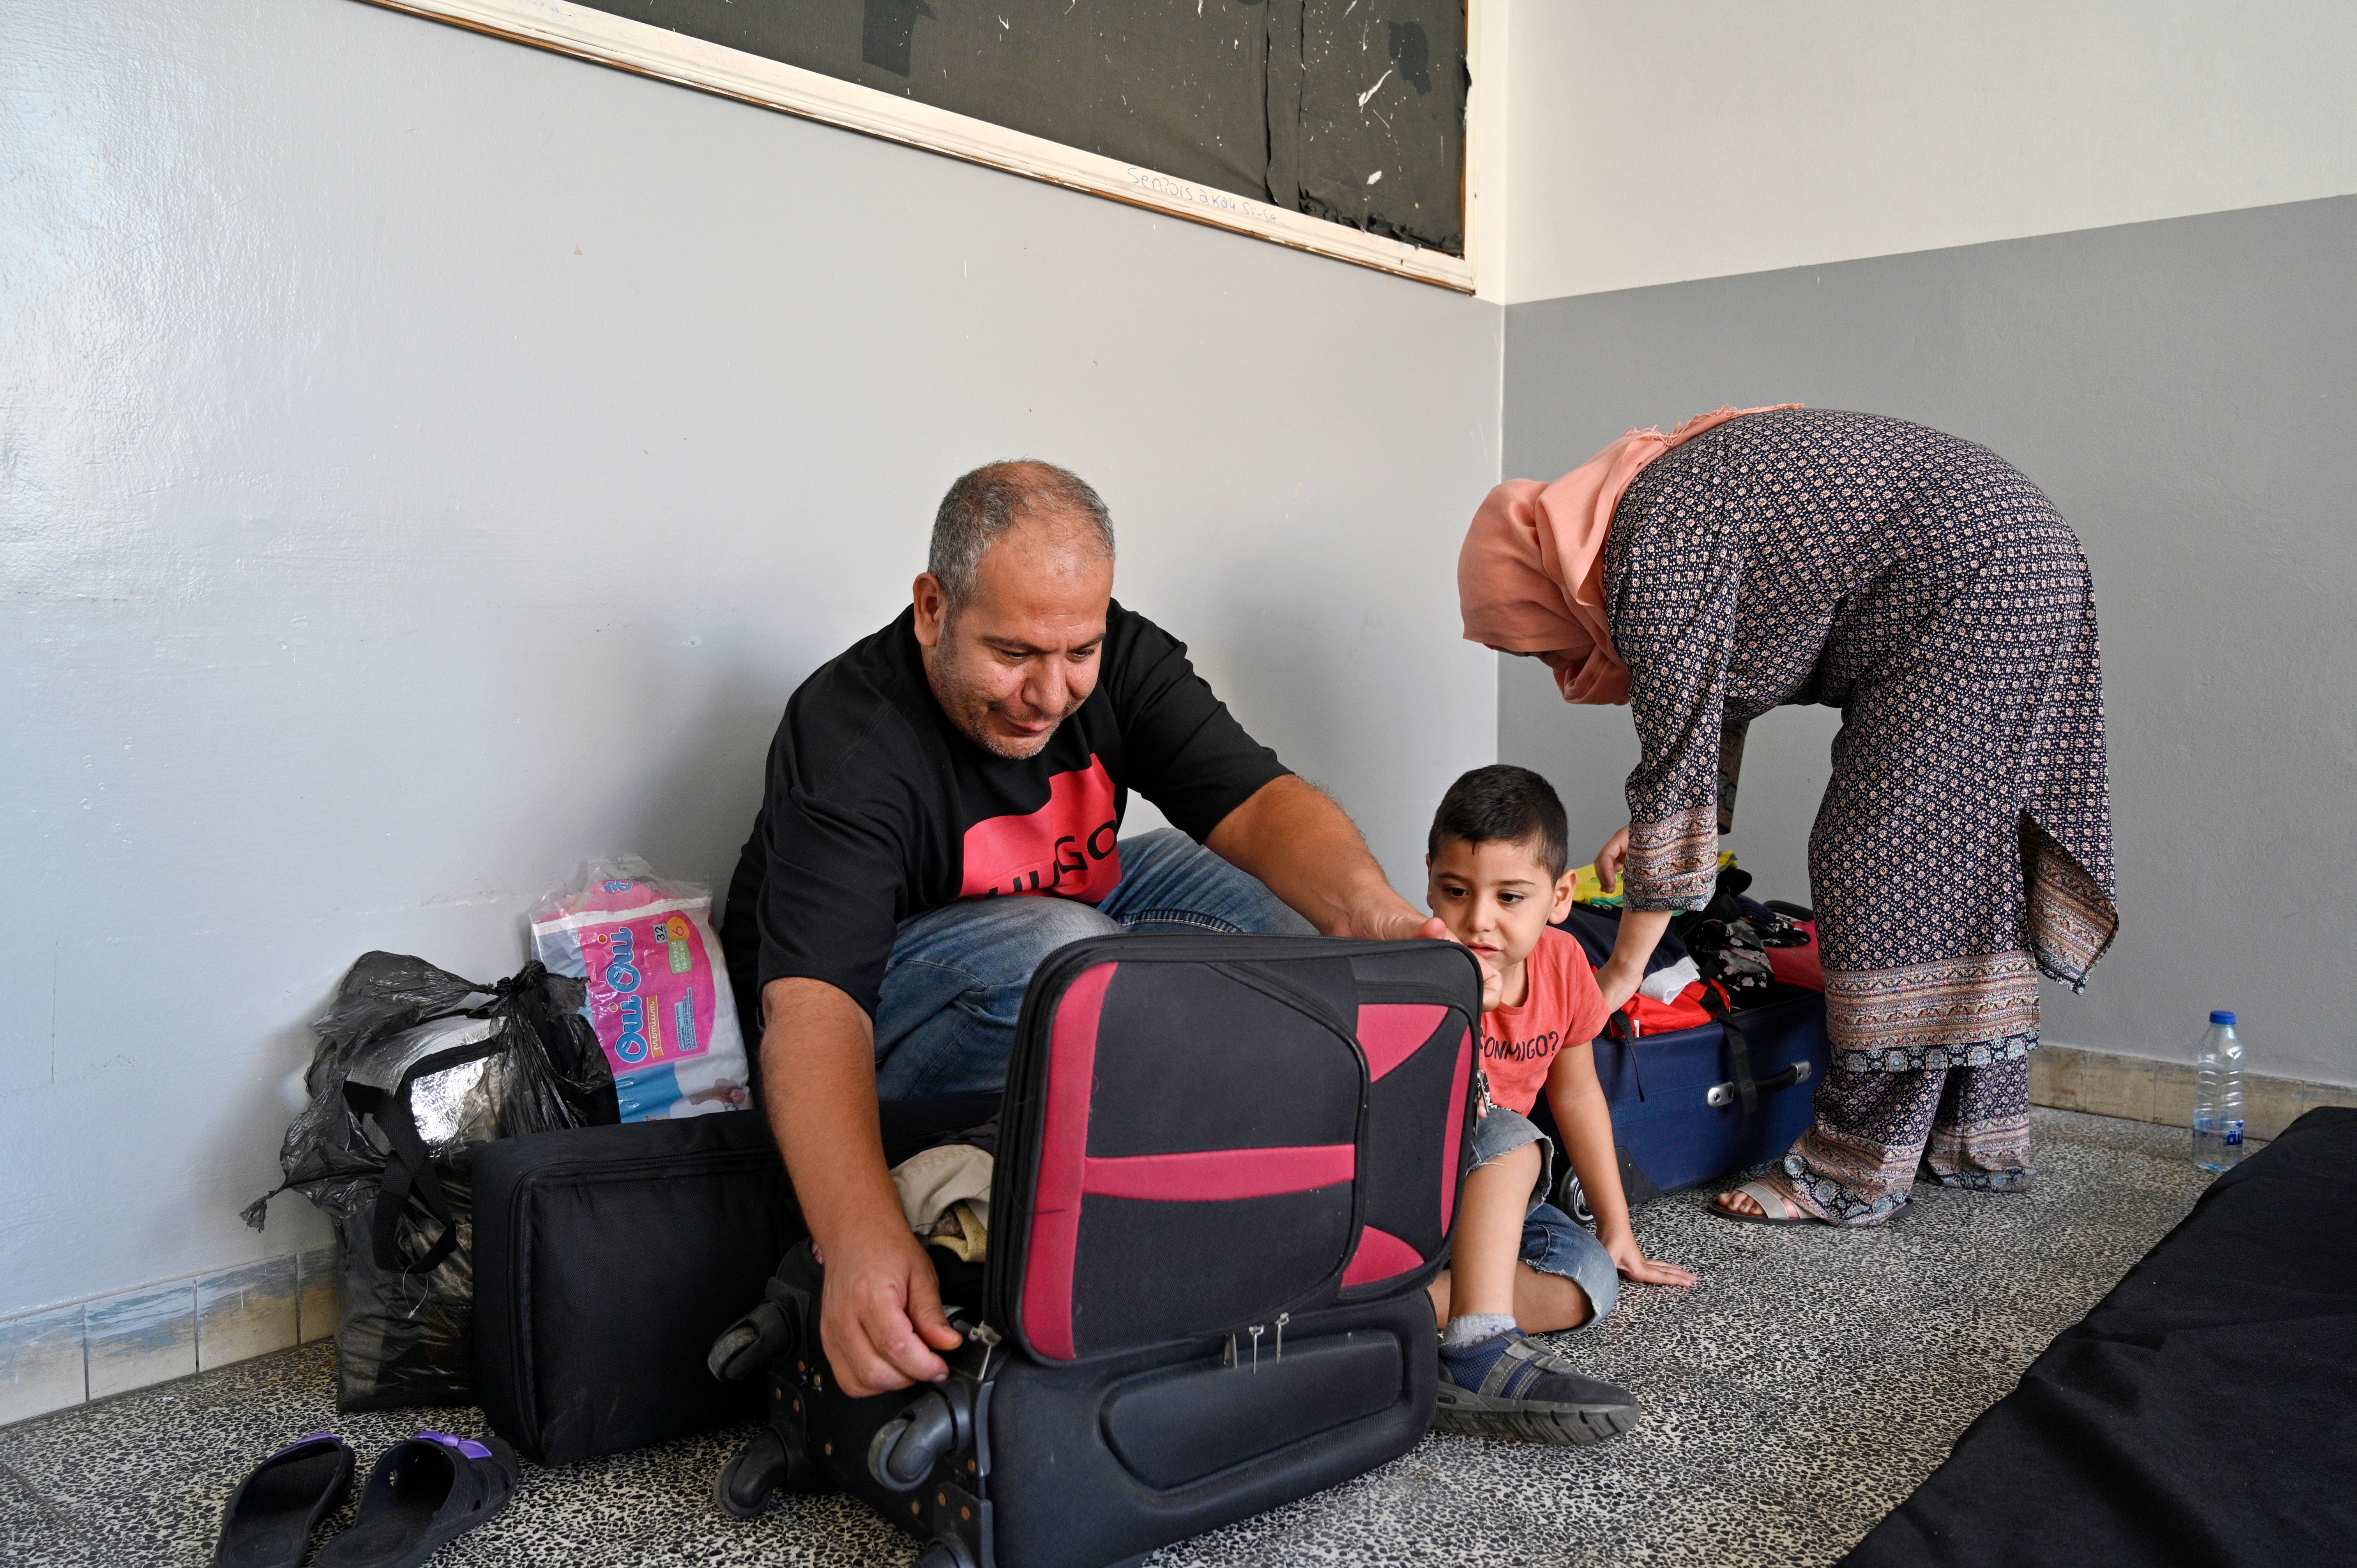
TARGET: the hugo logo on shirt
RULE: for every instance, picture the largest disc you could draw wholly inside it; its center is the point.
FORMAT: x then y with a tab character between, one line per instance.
1066	847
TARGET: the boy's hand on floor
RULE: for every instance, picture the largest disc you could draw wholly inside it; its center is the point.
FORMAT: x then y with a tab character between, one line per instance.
1631	1260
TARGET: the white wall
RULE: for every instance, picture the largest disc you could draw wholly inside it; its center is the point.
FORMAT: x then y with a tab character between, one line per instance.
429	461
1649	143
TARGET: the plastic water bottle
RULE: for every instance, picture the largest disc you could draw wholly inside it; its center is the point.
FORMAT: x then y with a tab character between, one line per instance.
2218	1097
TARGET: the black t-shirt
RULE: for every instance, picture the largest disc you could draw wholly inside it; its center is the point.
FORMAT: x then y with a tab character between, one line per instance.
878	809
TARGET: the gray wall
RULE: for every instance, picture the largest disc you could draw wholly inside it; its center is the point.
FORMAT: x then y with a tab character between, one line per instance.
2186	391
430	461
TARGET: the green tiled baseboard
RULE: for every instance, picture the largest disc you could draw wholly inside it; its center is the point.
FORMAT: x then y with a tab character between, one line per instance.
43	1365
63	1356
2105	1083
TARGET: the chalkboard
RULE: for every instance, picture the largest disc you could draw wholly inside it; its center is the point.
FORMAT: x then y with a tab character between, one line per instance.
1347	112
1351	110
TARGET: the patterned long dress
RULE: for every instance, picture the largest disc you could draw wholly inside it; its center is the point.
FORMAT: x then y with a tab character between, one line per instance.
1921	585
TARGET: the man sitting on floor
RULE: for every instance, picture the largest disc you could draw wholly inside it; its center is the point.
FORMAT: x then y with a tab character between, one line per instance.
980	747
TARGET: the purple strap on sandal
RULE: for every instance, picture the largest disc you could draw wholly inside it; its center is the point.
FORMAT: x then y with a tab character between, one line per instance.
466	1445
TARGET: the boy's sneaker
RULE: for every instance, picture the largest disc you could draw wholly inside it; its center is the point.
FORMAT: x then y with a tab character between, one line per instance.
1511	1386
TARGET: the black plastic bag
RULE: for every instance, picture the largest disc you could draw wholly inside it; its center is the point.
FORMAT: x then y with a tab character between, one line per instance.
416	1067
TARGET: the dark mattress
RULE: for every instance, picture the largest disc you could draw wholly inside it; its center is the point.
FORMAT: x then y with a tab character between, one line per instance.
2205	1412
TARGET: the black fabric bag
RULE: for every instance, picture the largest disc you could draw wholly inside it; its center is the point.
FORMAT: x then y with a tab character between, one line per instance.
605	1259
1227	1169
2200	1417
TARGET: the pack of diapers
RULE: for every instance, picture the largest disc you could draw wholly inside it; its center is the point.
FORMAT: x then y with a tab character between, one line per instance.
658	987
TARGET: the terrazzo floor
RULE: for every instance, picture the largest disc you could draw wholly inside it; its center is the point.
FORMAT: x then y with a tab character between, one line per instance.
1796	1395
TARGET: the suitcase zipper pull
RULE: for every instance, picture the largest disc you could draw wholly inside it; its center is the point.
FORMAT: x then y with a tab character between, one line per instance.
1230	1359
1282	1319
987	1337
1256	1330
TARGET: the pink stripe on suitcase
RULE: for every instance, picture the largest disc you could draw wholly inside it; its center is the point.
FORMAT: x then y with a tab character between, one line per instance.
1381	1256
1391	1032
1456	1131
1212	1176
1063	1160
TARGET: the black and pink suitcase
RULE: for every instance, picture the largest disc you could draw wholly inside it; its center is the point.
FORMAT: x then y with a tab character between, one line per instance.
1227	1168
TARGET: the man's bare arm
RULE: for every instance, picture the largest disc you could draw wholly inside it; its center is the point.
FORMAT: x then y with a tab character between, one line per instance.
881	1320
1293	836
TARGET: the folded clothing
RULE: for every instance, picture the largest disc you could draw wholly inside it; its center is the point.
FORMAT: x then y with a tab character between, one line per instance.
1669	984
1647	1016
945	1194
1802	965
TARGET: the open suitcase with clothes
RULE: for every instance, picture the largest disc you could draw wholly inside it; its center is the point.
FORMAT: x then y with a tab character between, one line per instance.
1227	1168
1729	1083
1695	1104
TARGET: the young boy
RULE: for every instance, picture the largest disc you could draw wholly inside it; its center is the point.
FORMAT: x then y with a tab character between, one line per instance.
1520	1265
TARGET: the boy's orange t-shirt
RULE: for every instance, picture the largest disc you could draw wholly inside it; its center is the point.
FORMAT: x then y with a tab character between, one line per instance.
1560	1007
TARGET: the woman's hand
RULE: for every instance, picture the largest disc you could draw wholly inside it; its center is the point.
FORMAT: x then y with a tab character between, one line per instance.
1631	1260
1619	982
1610	859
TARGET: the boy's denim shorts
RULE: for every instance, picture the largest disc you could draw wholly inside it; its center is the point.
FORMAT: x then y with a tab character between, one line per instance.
1553	1242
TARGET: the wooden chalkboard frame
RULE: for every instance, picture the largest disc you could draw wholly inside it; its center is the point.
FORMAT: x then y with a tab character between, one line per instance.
688	61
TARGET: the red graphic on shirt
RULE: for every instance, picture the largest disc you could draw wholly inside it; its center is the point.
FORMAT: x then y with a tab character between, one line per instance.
1066	847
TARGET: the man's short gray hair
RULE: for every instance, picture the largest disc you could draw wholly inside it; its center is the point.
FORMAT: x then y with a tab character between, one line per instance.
988	502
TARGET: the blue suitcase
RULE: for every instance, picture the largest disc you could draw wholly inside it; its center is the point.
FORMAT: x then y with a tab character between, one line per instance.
1697	1104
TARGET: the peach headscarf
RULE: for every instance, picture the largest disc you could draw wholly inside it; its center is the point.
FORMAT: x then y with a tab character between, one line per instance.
1531	576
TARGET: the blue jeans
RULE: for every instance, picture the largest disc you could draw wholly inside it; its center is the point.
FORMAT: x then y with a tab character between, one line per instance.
1553	1242
954	987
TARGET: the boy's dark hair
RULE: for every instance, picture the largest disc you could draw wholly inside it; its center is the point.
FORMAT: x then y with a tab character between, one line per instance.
1505	804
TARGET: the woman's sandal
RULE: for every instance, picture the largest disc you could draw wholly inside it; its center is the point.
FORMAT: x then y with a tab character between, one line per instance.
425	1492
1775	1208
270	1517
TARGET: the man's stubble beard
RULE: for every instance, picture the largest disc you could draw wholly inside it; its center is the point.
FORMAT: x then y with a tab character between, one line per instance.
968	708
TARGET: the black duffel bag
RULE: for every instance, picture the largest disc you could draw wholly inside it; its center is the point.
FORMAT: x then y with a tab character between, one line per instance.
605	1260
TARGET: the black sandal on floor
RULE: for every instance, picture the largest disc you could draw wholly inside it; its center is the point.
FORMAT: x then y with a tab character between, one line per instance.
424	1493
270	1517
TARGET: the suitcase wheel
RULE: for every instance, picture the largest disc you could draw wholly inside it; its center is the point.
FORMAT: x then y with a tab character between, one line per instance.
906	1448
747	1345
776	1458
774	1327
749	1481
1571	1197
946	1552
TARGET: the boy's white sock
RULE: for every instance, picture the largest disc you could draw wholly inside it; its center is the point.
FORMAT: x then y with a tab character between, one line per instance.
1474	1328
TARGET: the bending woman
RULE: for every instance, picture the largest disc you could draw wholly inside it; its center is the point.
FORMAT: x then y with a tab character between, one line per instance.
1917	583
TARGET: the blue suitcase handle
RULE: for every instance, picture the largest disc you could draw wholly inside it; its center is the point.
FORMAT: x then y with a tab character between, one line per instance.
1725	1093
